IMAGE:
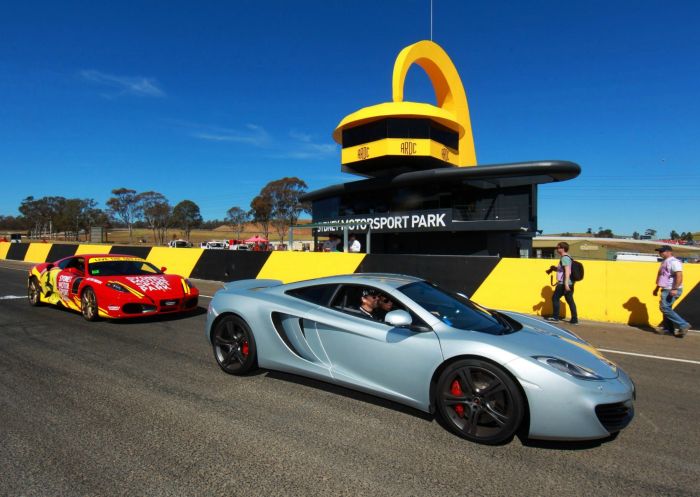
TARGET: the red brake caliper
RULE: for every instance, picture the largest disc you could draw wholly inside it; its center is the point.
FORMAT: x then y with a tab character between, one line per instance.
244	349
456	390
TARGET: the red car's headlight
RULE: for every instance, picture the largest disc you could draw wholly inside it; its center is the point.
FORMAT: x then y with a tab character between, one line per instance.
117	287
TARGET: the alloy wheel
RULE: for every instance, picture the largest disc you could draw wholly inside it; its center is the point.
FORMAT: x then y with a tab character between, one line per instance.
88	306
480	402
234	346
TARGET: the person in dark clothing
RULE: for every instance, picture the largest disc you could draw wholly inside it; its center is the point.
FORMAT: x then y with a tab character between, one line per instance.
369	302
565	285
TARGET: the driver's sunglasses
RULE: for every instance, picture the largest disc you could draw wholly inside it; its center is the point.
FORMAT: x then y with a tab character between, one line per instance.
383	300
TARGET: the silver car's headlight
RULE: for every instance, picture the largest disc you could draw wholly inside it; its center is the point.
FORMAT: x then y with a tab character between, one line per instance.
569	368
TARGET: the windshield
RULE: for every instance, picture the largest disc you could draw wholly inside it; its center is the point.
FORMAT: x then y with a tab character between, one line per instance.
120	267
453	309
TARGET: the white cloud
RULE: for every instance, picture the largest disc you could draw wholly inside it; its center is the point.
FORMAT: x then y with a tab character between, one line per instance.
299	145
124	85
253	135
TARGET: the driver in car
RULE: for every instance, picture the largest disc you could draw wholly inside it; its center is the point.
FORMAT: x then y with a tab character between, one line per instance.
369	302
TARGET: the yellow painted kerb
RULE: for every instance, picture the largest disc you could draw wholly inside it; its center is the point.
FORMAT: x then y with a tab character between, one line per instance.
37	252
93	249
4	249
177	260
298	266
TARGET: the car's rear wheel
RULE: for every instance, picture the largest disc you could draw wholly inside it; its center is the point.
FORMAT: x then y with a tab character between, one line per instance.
88	305
34	292
479	401
234	346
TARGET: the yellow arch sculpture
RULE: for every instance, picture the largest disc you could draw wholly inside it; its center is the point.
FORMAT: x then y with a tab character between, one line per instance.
449	91
452	109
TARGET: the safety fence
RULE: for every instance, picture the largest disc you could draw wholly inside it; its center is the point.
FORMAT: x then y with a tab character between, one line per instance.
612	291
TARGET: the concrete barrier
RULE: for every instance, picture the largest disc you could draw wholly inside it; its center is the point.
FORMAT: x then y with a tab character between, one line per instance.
615	292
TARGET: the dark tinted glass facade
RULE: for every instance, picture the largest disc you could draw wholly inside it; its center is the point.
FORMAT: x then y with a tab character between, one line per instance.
400	128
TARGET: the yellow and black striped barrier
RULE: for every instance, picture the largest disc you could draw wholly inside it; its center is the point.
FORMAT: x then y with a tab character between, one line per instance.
616	292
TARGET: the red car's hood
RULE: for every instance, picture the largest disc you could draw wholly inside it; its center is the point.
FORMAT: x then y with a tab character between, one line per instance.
156	286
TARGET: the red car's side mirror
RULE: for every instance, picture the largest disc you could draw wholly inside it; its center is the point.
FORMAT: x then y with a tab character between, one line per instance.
163	269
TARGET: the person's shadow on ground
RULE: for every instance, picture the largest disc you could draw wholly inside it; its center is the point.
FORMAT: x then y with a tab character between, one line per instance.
639	315
544	308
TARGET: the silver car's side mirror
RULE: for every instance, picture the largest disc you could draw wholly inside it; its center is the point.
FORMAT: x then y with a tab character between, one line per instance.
398	318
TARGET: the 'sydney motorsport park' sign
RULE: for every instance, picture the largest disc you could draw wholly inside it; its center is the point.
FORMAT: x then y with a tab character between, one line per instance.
435	220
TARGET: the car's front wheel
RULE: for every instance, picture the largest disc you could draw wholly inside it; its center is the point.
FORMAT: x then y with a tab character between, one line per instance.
88	305
234	346
34	292
479	401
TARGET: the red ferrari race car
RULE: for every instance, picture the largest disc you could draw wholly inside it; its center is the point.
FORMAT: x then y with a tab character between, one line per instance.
110	286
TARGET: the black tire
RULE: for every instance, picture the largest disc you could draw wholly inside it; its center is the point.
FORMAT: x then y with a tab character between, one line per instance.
34	292
479	401
234	346
88	305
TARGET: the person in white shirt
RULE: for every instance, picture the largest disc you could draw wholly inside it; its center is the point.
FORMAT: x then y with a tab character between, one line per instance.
670	281
354	244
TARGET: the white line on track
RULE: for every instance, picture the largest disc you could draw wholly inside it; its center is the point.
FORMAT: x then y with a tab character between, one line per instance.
10	297
649	356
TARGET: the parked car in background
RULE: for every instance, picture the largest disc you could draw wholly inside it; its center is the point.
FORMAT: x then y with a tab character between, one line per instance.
215	244
179	244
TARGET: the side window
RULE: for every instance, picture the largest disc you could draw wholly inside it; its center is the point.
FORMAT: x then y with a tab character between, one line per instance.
349	298
80	264
317	294
65	263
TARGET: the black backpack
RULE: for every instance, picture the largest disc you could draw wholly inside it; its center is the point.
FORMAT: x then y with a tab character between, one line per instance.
576	270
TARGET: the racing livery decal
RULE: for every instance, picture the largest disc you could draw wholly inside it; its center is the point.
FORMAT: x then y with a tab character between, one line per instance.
150	283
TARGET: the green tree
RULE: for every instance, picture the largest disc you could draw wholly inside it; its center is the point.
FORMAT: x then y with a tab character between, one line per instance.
261	213
635	235
285	197
237	218
674	235
79	214
125	207
650	232
44	215
186	216
157	214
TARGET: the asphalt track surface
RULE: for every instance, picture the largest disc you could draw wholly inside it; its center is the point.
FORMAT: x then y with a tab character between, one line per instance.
141	408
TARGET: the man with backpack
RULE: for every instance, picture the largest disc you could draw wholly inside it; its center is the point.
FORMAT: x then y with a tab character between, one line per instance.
565	283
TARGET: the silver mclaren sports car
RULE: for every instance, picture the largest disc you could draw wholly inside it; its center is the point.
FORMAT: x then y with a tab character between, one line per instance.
487	373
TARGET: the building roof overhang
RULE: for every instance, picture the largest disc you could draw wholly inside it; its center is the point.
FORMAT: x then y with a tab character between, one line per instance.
484	177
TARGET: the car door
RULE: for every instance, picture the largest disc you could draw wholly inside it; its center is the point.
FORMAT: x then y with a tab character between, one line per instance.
396	363
68	279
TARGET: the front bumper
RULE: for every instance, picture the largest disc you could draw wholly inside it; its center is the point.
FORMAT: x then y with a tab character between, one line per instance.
566	408
133	308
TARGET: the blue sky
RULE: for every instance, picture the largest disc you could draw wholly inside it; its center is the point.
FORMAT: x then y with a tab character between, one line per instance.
209	101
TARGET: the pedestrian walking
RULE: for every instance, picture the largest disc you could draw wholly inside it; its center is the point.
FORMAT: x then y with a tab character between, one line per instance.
669	280
565	284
